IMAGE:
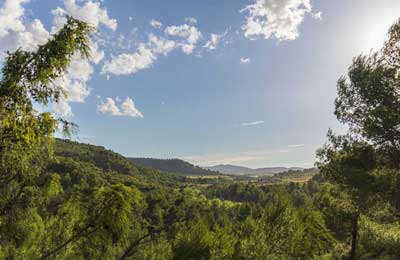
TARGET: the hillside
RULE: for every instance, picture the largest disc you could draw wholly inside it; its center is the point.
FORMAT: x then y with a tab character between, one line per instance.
112	166
240	170
173	166
294	176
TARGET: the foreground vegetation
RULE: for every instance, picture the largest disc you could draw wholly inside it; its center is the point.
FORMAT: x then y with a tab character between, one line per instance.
63	200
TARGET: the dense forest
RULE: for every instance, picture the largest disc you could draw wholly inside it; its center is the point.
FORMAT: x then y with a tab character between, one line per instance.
173	165
64	200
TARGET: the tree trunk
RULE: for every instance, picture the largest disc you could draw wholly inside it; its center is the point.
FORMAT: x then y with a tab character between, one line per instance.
354	236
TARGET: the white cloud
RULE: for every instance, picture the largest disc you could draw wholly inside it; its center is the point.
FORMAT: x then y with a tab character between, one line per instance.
317	15
96	54
75	81
296	145
10	16
127	108
147	53
62	108
184	37
160	45
90	12
155	24
213	42
16	32
74	84
189	33
108	107
279	19
143	58
130	63
253	123
244	60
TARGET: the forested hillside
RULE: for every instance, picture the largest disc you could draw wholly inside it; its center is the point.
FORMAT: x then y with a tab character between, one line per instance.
113	166
64	200
173	166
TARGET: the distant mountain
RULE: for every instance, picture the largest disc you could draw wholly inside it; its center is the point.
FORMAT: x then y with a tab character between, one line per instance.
173	166
230	169
240	170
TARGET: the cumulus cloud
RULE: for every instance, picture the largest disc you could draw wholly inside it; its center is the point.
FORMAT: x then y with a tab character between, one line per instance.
155	24
75	81
90	12
143	58
186	38
127	108
189	33
15	32
253	123
160	45
10	16
279	19
244	60
129	63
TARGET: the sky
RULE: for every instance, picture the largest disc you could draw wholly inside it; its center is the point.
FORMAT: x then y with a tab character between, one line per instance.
244	82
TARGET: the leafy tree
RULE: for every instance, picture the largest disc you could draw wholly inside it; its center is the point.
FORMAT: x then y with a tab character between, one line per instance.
39	219
366	161
26	135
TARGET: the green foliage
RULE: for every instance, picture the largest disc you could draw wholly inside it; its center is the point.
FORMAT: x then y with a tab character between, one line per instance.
173	166
64	200
26	138
365	162
379	241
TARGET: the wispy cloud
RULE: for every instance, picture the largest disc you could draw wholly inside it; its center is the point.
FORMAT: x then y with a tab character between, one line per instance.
295	145
184	37
215	40
252	123
155	24
244	60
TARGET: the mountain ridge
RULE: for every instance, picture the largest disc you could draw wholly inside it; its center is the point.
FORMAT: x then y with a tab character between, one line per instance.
173	166
242	170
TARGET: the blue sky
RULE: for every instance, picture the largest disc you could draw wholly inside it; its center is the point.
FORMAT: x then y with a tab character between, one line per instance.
246	82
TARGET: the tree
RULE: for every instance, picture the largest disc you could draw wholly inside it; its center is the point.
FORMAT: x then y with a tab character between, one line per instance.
37	221
25	134
366	161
